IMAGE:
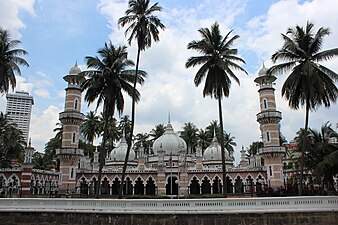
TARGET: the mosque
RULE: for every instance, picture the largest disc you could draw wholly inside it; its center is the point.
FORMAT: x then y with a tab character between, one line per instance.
169	170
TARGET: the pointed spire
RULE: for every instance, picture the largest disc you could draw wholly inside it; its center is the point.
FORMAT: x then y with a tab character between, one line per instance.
30	142
76	63
169	116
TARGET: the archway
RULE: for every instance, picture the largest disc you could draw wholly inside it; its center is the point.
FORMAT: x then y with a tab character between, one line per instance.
83	187
150	187
105	187
128	187
194	187
239	185
206	186
115	186
229	185
172	186
139	187
216	186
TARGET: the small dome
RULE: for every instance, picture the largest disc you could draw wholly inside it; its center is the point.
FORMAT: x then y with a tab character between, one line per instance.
75	70
213	152
119	153
263	71
170	142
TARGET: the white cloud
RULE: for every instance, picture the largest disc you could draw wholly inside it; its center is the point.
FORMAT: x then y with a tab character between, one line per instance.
42	126
9	15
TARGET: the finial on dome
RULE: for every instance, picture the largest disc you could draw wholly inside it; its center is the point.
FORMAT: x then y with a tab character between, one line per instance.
30	142
169	116
76	63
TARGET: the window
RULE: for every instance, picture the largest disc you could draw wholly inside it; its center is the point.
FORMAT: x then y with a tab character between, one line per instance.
73	137
270	171
75	104
268	136
265	104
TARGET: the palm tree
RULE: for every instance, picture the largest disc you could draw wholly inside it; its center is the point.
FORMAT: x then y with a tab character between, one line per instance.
142	139
203	139
310	84
9	61
90	126
320	153
189	135
144	28
157	132
211	129
229	143
218	60
108	77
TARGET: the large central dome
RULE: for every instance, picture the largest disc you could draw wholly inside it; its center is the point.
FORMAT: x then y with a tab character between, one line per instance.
170	142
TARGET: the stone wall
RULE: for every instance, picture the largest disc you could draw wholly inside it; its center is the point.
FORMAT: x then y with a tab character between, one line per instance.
71	218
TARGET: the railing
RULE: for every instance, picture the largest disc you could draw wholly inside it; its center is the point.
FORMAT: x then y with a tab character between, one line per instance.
170	206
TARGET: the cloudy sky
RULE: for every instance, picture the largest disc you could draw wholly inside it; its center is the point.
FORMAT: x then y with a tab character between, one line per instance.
57	33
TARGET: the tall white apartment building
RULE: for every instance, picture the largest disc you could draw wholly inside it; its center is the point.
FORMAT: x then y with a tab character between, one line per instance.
19	109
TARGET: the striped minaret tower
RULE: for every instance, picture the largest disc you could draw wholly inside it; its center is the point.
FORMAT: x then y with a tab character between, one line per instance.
71	119
269	118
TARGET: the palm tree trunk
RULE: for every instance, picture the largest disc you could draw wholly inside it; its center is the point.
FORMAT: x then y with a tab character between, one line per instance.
225	192
129	140
102	155
305	143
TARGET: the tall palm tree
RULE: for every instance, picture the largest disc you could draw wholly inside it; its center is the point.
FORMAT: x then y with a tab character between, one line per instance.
309	84
90	127
108	77
10	61
218	60
144	28
189	135
213	128
142	139
157	132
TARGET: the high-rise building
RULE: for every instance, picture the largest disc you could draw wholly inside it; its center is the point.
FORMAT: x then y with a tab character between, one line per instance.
19	109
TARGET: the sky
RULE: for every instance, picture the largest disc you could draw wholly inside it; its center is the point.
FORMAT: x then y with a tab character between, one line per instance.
58	33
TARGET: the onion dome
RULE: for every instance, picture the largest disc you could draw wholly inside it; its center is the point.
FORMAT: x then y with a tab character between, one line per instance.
75	70
170	142
119	153
263	71
213	152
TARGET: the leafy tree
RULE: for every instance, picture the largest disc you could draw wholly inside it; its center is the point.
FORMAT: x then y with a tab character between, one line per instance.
157	132
320	153
90	127
143	139
203	139
11	142
254	147
229	143
189	135
10	61
107	78
310	84
43	161
218	60
144	28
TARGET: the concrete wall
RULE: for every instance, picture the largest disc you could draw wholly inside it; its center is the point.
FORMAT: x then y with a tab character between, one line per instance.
71	218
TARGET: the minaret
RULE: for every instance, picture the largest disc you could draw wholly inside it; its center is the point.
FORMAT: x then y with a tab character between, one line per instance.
27	168
269	119
71	119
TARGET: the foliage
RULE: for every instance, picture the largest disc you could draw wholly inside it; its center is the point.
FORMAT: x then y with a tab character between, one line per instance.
11	142
143	27
189	135
217	61
309	84
10	60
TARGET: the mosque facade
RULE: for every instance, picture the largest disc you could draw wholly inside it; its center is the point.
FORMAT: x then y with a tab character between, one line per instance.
169	170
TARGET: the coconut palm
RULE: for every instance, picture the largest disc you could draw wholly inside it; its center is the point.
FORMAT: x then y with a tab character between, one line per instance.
189	135
218	60
229	144
10	61
90	127
212	129
108	77
144	28
142	139
310	84
203	139
157	132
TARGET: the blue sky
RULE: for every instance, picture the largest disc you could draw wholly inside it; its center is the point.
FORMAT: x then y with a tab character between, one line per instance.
58	33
